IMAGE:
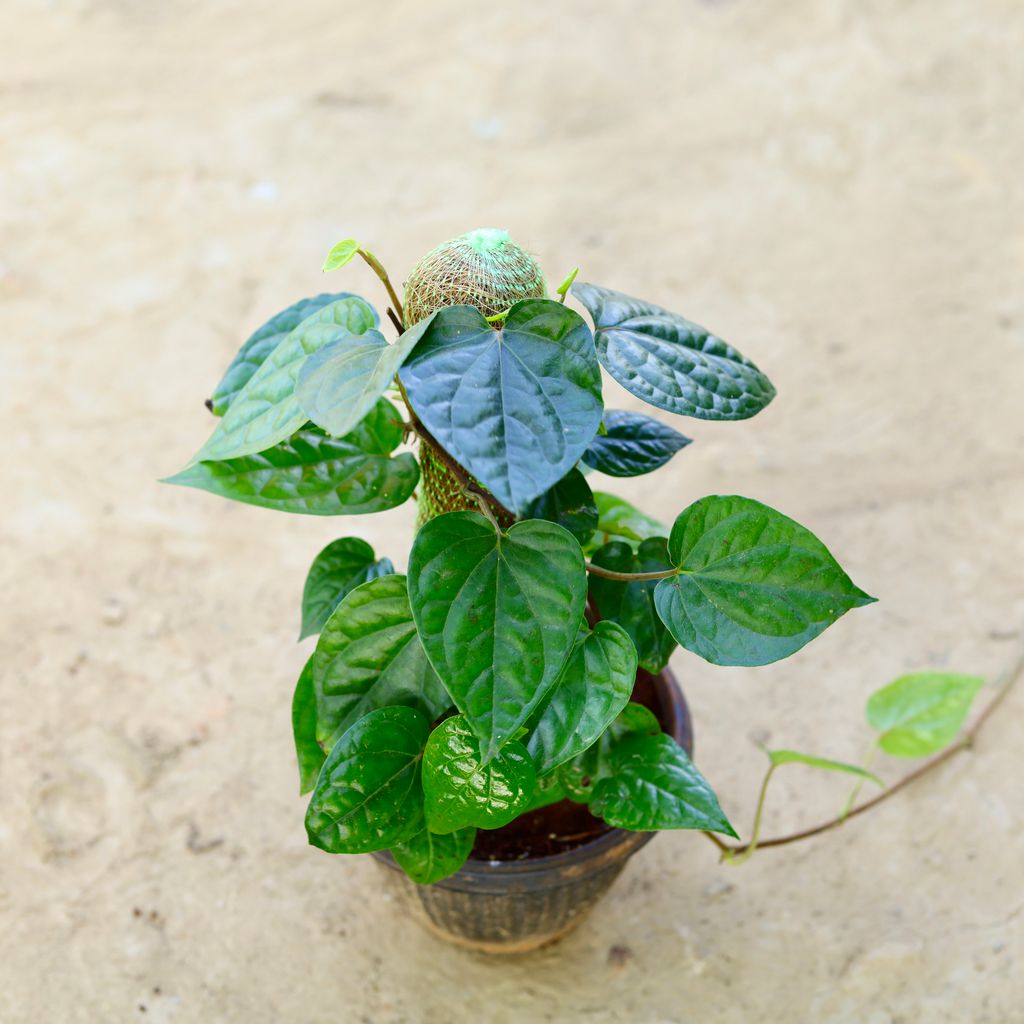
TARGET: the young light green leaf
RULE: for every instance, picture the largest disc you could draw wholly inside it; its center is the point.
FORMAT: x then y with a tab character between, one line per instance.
497	615
515	407
594	687
308	752
340	254
369	795
369	656
461	791
266	410
569	503
778	757
670	361
754	586
632	444
563	288
427	857
317	475
920	713
617	518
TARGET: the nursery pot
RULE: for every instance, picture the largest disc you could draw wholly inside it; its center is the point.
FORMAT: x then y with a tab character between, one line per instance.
515	905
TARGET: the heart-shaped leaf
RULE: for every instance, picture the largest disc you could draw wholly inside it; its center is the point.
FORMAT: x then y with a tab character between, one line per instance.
497	614
594	687
340	254
369	656
428	857
308	752
570	503
266	410
654	785
632	444
617	518
516	407
920	713
262	342
369	794
318	475
754	586
460	791
671	362
631	605
339	384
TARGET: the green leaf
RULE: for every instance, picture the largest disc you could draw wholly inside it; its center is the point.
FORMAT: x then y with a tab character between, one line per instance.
594	687
920	713
460	791
618	518
497	614
515	407
307	751
631	605
369	656
266	410
754	585
794	757
570	503
550	789
340	254
339	568
563	288
654	785
318	475
262	342
671	362
632	444
427	857
369	795
340	384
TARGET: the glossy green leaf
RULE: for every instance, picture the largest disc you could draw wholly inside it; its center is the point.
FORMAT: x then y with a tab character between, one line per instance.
427	857
920	713
369	656
341	254
670	361
550	789
369	795
631	605
460	791
778	757
339	384
266	410
497	614
317	475
594	687
261	343
570	503
617	518
632	444
516	407
652	784
754	585
308	752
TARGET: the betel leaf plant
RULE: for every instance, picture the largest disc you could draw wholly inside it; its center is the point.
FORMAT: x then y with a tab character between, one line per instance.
497	675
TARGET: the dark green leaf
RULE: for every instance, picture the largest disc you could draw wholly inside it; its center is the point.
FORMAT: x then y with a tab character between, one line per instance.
594	687
266	410
318	475
654	785
793	757
755	586
461	791
632	444
369	795
497	615
369	656
262	342
340	254
569	503
427	857
671	362
549	790
515	407
618	518
631	605
921	713
307	751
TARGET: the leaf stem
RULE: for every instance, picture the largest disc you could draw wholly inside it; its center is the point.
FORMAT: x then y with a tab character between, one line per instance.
631	577
755	831
378	268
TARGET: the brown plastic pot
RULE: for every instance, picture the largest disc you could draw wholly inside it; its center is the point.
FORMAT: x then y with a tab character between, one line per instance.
515	906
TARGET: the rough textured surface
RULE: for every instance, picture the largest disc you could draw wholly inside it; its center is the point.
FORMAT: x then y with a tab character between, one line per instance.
829	185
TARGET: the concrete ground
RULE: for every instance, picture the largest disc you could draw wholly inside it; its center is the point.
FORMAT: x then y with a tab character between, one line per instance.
833	185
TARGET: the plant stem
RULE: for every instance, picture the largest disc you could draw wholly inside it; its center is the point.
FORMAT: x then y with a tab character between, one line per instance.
485	506
631	577
377	267
748	851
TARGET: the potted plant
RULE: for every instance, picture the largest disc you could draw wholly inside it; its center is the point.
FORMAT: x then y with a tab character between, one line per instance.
498	725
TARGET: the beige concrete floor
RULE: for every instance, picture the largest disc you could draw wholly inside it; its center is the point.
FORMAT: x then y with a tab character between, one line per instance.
835	186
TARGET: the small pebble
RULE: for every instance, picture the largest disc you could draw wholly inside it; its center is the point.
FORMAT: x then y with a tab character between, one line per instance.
114	612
